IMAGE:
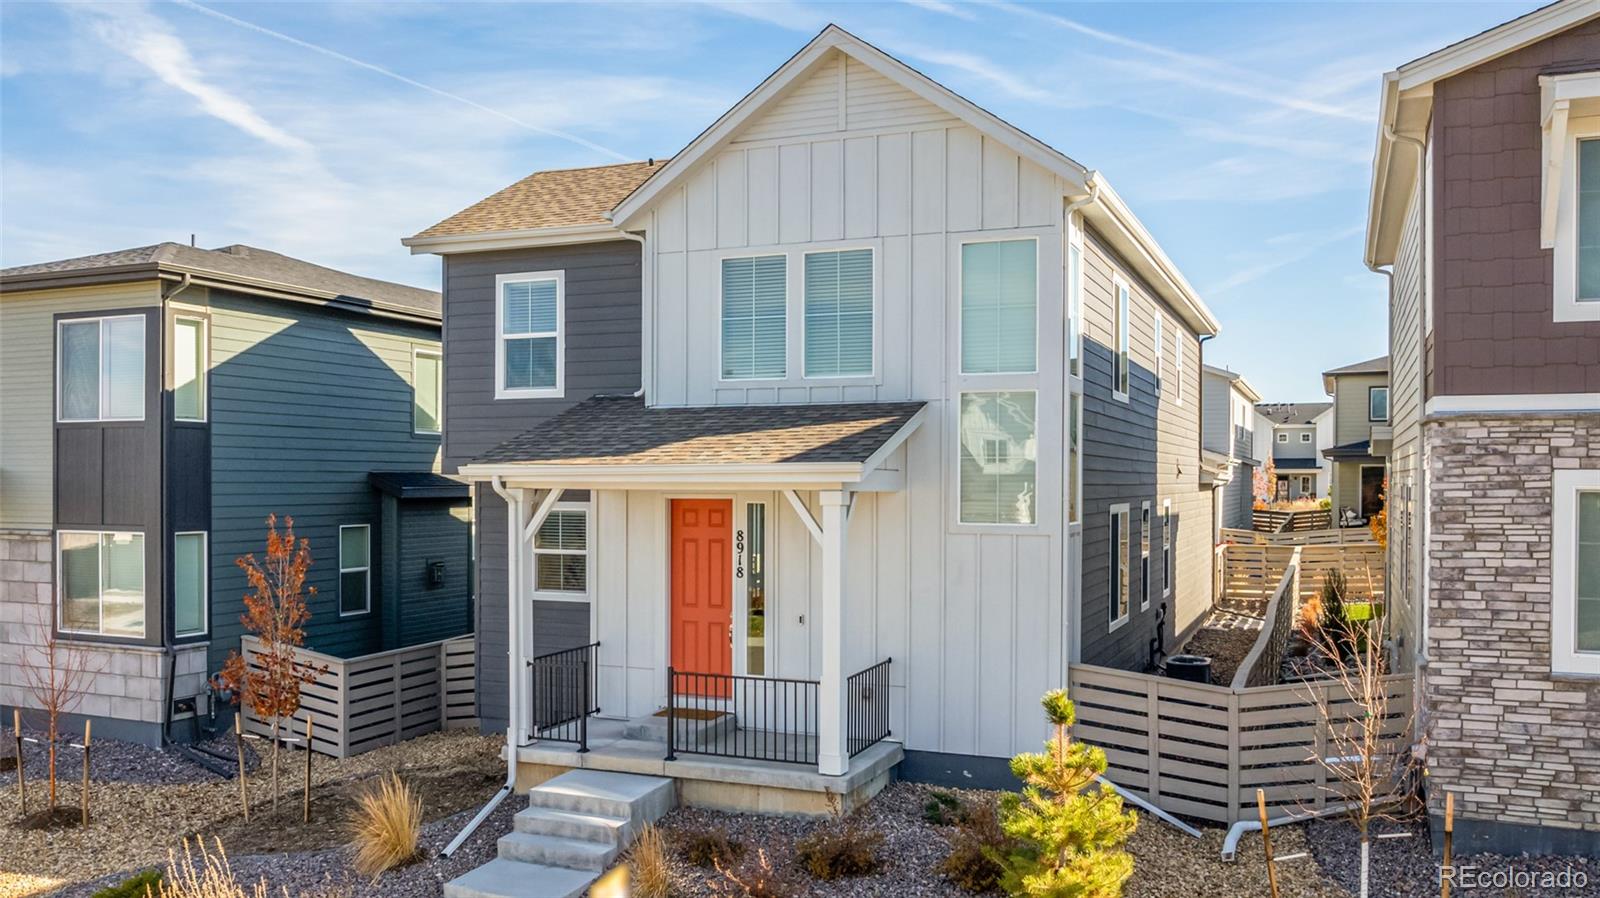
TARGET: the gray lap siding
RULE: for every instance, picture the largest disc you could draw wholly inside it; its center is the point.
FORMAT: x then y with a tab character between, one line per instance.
603	327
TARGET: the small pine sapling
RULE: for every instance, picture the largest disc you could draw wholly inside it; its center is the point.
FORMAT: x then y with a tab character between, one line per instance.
1070	837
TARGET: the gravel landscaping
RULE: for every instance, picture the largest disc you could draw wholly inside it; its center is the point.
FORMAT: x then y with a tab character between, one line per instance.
1406	867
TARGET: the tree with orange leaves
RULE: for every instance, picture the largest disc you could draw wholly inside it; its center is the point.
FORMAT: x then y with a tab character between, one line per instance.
275	612
1379	523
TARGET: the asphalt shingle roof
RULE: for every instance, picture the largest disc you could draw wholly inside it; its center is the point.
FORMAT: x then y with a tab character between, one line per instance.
622	431
1292	413
550	199
1379	365
247	262
1295	464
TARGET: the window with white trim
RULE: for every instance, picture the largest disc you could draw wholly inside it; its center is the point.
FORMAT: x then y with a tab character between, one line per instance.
1118	523
355	569
1570	193
1305	436
189	583
1119	386
1159	352
1144	556
1377	403
755	328
838	313
100	369
998	436
1166	547
1074	458
100	583
1177	364
999	307
561	551
1075	305
1283	437
530	351
188	369
1575	572
427	391
1305	486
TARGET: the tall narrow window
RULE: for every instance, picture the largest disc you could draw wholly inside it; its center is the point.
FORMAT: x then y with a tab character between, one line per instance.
1144	556
1074	460
1575	572
1159	352
101	583
1119	565
530	350
1121	375
999	307
754	318
755	573
1588	221
561	552
1166	547
1177	364
355	569
998	436
189	369
1378	403
427	392
838	313
1075	309
1586	636
189	582
100	369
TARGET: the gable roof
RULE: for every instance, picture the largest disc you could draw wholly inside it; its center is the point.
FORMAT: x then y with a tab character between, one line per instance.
558	198
235	267
1407	106
1235	380
1379	365
1292	414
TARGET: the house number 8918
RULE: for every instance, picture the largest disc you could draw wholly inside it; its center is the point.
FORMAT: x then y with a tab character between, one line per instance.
738	554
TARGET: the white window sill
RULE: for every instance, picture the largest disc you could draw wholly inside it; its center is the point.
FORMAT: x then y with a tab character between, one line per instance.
542	393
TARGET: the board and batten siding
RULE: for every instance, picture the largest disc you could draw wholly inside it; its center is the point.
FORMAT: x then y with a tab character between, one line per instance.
27	390
1144	450
603	325
304	404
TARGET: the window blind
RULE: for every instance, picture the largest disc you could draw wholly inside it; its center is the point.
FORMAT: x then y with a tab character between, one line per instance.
838	310
999	307
754	297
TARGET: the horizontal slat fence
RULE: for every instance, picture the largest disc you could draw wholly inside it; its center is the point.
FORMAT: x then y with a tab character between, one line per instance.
1253	570
1333	536
1202	750
379	699
1275	521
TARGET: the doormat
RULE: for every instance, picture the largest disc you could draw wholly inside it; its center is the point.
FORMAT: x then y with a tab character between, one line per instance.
693	713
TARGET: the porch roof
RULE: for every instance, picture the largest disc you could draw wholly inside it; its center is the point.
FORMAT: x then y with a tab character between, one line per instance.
616	438
1360	451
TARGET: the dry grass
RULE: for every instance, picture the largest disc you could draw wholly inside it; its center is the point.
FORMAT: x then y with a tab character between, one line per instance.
652	875
211	877
386	827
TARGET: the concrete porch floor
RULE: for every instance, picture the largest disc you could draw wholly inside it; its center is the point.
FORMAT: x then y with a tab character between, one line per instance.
732	784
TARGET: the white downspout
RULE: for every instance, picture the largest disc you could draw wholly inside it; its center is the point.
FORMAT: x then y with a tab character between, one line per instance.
646	296
513	686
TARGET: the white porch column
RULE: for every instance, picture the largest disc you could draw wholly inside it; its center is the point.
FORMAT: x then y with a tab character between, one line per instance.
516	518
833	754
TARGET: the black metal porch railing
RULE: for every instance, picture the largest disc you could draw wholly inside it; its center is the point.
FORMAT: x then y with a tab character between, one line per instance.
729	716
867	695
563	692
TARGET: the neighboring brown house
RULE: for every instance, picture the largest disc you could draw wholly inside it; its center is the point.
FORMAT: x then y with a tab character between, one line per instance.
1484	193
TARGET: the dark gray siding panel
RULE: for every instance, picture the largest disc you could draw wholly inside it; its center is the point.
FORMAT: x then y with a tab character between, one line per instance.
559	625
433	530
490	621
603	328
304	404
189	477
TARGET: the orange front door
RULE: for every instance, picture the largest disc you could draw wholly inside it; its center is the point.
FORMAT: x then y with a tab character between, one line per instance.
702	588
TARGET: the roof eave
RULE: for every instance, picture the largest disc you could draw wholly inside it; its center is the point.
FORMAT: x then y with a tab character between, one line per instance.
1148	257
794	475
520	238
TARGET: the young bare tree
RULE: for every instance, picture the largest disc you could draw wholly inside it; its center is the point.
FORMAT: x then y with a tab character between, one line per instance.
276	613
57	675
1366	750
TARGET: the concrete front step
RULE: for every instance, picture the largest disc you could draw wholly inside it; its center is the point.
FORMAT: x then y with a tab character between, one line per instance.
572	825
640	799
654	728
555	851
503	878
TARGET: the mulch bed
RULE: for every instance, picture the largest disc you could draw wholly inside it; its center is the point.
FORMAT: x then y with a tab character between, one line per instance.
1225	647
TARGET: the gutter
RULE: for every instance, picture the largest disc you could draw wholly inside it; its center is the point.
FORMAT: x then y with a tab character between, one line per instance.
512	507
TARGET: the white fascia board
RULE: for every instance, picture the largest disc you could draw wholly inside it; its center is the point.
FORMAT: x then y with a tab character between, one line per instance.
711	140
1513	403
1118	224
782	475
516	239
1496	42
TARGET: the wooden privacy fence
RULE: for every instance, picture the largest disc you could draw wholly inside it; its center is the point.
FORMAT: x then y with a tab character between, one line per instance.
1253	571
1261	665
372	700
1271	521
1202	750
1338	536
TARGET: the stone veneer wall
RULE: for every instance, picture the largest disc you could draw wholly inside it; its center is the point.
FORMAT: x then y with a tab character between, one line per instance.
128	689
1519	746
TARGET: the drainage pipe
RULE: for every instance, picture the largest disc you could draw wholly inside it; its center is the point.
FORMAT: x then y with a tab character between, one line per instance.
1147	806
1231	843
512	509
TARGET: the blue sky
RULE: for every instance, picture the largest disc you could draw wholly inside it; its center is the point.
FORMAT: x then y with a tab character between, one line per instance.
1240	133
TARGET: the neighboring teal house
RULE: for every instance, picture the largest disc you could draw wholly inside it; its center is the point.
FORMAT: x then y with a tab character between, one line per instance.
158	403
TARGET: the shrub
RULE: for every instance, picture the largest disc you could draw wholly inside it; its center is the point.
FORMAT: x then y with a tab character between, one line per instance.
943	809
651	878
975	853
1326	504
711	847
145	882
1070	840
839	848
755	878
387	824
211	877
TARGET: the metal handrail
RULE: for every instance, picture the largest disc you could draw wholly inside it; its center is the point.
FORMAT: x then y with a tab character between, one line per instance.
567	688
868	711
735	716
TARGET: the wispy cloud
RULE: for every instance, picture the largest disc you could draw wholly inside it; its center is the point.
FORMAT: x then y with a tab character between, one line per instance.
389	73
946	9
133	30
1309	245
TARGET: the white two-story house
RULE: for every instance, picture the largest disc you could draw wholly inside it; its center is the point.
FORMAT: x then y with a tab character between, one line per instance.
833	440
